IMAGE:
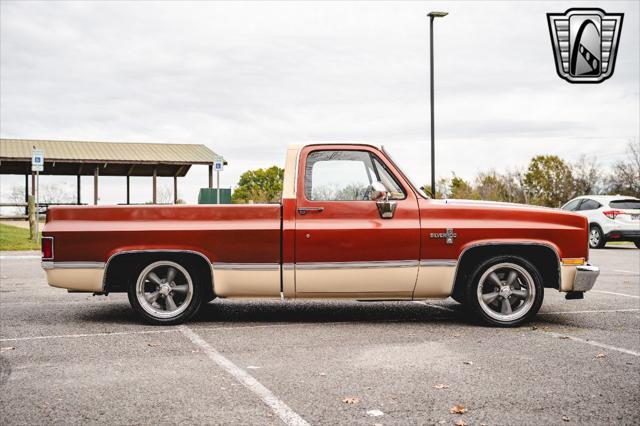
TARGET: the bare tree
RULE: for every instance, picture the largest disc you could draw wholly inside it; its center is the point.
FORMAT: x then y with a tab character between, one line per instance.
164	195
625	177
587	178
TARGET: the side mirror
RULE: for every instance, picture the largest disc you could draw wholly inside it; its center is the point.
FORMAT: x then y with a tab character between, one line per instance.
378	191
380	195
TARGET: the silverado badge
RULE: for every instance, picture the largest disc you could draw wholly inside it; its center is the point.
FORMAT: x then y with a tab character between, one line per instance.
449	235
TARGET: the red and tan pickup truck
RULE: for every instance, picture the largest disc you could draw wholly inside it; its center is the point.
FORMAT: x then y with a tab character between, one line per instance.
350	226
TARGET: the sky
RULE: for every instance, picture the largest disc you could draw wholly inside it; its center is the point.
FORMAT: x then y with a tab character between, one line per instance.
247	79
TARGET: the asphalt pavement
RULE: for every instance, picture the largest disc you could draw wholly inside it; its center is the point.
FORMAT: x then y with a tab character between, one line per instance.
76	358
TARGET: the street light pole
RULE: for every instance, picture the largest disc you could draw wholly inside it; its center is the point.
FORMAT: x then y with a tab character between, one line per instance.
432	16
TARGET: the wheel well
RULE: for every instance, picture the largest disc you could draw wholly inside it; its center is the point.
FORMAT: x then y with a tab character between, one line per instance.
542	257
124	268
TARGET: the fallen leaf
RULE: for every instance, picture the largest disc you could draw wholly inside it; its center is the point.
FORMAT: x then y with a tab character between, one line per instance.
440	386
351	400
457	409
154	344
565	418
375	413
600	355
468	362
534	327
460	423
564	337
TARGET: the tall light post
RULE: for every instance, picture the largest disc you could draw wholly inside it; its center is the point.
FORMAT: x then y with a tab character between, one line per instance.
432	16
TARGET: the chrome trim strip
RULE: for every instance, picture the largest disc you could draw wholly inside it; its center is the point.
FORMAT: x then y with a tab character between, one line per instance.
288	266
357	265
72	265
438	262
106	267
246	266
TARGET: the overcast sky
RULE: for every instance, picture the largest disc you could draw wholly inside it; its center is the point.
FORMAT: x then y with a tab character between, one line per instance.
247	79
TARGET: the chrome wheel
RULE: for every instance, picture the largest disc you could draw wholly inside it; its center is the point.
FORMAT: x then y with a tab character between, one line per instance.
594	237
506	292
164	289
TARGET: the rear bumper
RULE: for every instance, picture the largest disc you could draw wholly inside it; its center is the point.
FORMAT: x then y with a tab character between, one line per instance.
623	235
75	276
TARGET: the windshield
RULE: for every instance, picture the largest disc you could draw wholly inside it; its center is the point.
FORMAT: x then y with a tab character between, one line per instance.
417	188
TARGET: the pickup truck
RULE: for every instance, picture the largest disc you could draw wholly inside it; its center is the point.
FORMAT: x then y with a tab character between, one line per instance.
350	225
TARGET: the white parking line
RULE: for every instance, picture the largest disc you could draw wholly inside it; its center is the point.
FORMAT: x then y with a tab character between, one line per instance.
67	336
626	272
593	343
616	294
602	311
282	410
20	257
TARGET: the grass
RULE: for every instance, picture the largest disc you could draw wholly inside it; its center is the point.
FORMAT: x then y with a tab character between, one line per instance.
14	238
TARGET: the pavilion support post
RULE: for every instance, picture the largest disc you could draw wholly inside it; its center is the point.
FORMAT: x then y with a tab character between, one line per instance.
128	190
155	185
96	173
78	189
175	190
26	194
210	175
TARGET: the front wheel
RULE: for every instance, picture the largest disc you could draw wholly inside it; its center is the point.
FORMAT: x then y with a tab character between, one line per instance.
505	291
637	243
165	293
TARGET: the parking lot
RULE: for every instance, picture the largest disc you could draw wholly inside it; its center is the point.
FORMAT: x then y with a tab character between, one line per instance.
75	358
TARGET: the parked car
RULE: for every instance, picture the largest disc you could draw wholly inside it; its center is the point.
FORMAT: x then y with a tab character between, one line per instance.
611	218
350	226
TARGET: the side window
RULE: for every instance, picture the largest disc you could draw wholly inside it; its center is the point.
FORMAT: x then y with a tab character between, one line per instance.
346	176
571	206
589	205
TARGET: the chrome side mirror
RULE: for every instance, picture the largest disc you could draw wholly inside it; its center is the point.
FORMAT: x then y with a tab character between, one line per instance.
377	191
380	195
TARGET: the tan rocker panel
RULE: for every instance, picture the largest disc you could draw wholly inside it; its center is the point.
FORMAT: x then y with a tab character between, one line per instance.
435	279
246	280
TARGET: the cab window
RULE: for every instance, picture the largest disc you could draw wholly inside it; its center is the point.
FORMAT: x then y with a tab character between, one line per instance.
334	175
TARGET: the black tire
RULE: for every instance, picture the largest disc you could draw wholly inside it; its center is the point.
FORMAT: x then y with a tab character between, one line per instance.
527	278
160	312
596	237
637	243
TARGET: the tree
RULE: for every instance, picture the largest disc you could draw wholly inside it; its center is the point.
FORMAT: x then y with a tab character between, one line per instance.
586	176
548	181
625	177
259	186
461	189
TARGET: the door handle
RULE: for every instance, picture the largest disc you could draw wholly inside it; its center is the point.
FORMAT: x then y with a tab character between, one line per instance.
305	210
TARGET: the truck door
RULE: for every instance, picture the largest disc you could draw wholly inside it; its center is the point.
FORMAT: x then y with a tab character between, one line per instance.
343	247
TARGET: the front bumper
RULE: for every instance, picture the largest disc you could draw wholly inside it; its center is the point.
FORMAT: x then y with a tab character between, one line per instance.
585	277
578	278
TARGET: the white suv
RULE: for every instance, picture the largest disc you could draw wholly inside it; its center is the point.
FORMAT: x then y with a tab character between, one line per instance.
611	218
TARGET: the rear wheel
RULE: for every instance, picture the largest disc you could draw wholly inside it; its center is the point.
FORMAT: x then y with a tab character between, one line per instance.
505	291
165	293
637	243
596	237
